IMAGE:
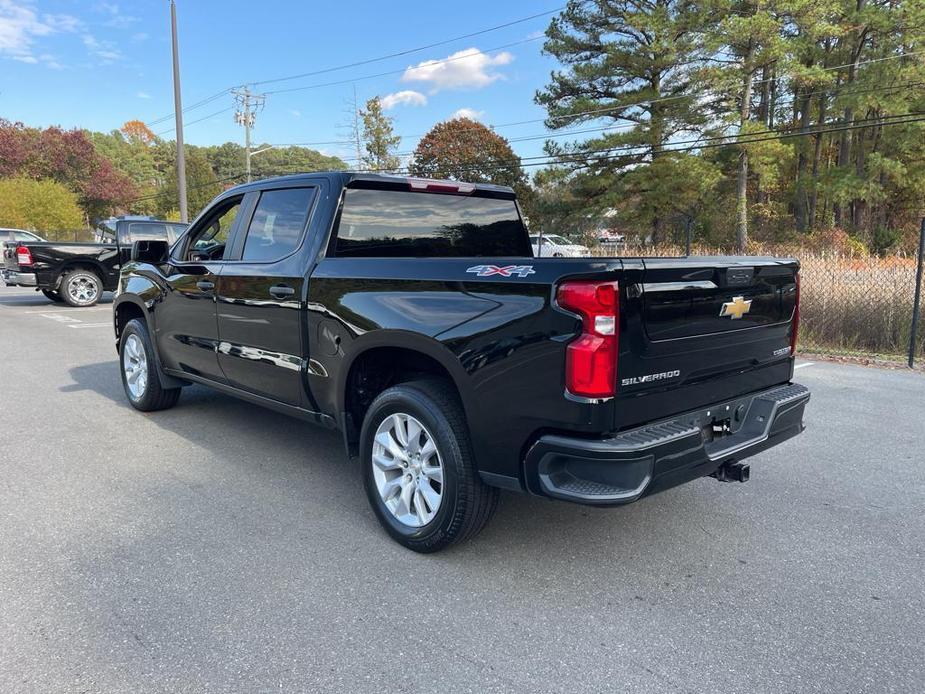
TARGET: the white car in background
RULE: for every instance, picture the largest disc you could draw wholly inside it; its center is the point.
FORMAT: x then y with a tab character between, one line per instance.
555	246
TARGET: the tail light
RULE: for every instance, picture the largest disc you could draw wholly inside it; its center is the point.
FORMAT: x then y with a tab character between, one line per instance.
795	323
591	360
23	256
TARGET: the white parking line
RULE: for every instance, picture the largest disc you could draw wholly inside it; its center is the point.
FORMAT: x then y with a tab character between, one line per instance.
61	319
798	366
71	310
91	325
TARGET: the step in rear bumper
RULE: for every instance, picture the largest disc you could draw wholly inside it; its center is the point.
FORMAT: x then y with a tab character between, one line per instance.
623	467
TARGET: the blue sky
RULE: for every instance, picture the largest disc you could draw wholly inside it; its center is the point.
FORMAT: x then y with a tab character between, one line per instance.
97	64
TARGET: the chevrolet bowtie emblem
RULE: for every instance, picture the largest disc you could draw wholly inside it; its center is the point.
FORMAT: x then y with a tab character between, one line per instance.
736	308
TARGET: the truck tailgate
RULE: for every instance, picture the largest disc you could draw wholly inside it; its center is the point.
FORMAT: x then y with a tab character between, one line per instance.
702	329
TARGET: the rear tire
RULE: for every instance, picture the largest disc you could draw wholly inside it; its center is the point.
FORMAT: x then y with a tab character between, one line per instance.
139	368
417	510
81	288
53	295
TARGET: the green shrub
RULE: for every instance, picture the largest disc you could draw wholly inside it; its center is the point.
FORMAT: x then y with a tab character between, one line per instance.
39	205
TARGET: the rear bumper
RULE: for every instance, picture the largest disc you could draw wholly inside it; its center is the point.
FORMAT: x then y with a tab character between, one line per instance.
19	279
621	468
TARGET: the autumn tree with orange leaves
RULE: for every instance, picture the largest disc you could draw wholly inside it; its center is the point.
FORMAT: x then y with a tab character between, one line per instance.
463	149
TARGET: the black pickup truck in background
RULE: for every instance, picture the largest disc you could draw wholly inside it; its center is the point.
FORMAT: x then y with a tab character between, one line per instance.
79	273
412	316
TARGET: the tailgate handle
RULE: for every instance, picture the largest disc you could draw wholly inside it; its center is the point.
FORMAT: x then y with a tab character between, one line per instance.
739	276
205	285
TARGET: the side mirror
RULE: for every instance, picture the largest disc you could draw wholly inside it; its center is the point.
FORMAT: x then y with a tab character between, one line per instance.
153	252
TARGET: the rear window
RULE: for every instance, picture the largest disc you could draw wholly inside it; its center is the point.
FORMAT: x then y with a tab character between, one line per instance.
400	224
152	231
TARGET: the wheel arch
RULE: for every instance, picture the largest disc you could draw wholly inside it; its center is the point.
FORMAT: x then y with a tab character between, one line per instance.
384	358
82	264
127	307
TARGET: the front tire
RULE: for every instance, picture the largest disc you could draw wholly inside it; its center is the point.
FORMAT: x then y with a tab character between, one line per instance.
138	365
418	467
53	295
81	288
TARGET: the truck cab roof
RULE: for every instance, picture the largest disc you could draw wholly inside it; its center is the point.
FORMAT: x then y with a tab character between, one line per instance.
352	179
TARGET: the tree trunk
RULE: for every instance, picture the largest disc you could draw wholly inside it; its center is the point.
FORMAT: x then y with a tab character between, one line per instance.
859	205
799	197
817	154
844	147
764	110
742	182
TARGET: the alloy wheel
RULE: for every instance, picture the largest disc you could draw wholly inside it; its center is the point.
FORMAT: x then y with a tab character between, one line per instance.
82	290
135	366
407	469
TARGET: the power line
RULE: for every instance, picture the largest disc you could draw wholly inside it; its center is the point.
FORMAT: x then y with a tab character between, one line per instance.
395	72
198	120
562	133
203	102
409	50
367	61
900	119
698	144
598	111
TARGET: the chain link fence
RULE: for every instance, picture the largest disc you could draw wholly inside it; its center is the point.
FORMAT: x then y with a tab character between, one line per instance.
859	307
852	307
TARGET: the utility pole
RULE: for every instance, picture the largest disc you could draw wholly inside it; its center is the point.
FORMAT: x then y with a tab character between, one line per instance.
356	128
178	116
246	115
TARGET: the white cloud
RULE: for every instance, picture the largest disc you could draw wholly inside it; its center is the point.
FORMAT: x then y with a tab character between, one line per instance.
116	20
143	95
466	69
104	50
407	97
139	37
295	113
467	112
20	26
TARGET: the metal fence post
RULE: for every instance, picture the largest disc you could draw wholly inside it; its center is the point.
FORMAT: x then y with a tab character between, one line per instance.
917	304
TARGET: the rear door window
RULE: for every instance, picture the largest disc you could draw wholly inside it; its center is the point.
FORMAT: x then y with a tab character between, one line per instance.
405	224
278	224
144	231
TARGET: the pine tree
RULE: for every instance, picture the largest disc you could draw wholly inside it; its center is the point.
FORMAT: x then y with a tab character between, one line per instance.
628	64
745	42
379	139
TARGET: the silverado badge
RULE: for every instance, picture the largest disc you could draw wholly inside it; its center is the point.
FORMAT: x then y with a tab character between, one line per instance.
736	308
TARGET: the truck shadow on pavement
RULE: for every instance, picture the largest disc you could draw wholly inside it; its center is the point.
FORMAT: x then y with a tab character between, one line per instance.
264	446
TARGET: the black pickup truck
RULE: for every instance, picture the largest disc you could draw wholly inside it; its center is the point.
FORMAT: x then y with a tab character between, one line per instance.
79	273
411	315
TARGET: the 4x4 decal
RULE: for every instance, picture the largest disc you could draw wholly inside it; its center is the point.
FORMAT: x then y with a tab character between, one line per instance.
505	271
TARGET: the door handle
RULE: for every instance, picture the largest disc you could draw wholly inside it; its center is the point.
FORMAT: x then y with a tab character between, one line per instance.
205	286
281	290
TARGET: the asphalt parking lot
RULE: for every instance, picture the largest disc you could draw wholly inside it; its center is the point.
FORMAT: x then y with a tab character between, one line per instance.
220	547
